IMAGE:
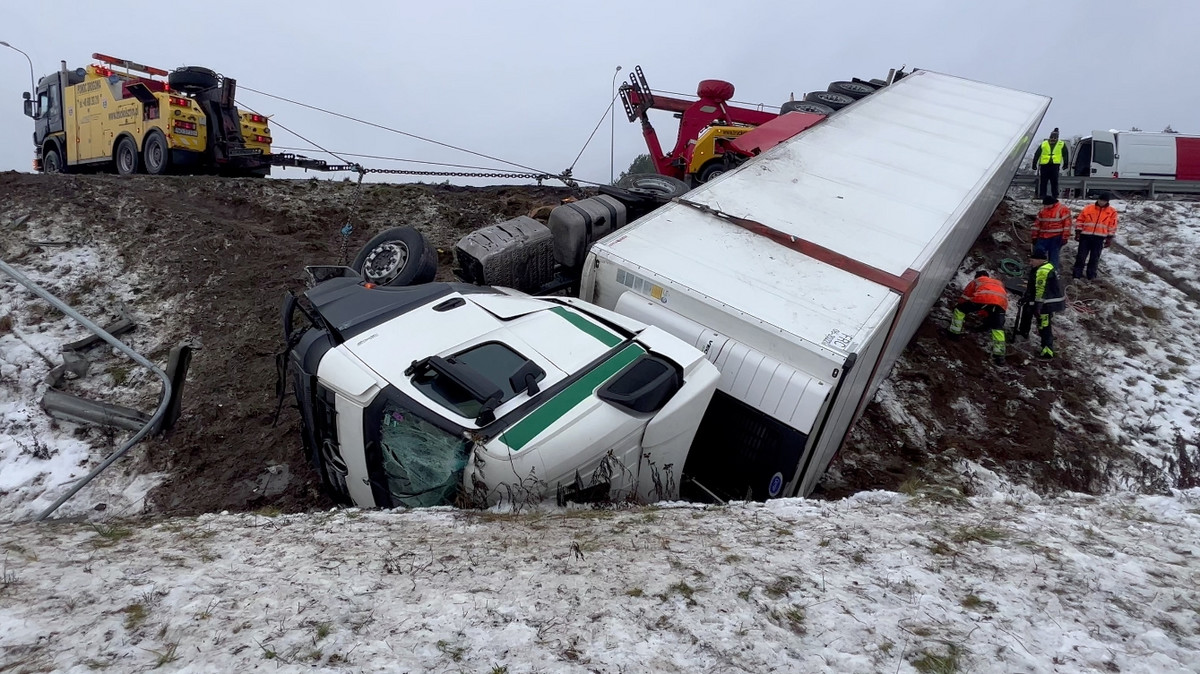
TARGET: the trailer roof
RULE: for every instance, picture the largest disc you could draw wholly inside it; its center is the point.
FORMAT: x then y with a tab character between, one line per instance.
882	182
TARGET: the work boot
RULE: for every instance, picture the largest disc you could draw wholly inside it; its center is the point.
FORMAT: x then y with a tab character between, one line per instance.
956	336
1046	353
998	359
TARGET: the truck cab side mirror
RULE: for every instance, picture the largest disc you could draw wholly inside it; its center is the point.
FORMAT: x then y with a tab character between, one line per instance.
29	111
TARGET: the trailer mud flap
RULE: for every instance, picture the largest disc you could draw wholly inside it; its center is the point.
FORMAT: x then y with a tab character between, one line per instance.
740	453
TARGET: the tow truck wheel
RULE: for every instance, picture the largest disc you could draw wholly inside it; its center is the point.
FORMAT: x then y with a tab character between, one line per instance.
397	257
711	170
155	155
51	161
125	156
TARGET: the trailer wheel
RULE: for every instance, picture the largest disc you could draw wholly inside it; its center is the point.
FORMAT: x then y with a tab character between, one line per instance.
835	101
155	155
653	184
192	79
52	161
855	90
399	256
806	106
125	156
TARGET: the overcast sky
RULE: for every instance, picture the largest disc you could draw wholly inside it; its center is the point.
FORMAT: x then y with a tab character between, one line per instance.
527	81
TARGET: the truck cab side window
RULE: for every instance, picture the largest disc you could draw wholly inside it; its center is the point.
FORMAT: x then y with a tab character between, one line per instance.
52	107
43	104
1102	152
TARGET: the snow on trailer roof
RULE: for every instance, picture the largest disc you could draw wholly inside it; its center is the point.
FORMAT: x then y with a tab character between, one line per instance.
882	182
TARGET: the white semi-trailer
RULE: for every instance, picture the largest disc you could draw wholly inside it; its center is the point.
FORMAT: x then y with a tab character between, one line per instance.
789	285
804	273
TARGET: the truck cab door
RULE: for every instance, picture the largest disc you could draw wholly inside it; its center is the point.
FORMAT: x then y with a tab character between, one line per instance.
1104	155
1081	158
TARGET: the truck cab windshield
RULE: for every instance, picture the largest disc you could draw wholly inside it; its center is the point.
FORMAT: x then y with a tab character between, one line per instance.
418	464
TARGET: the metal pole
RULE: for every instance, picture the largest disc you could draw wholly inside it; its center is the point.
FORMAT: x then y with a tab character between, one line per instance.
164	400
32	81
612	128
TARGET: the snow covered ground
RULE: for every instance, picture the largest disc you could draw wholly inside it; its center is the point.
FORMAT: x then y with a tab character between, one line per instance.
878	582
1141	344
41	457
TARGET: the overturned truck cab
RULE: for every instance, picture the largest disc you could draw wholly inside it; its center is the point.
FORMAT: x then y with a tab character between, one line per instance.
454	394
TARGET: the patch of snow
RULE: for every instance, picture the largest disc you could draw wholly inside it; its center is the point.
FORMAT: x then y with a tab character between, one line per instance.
879	582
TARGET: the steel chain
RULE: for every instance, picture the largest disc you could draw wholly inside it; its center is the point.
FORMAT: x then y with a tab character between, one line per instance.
462	174
348	228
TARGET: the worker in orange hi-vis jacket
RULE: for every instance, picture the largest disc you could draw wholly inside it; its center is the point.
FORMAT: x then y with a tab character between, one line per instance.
1095	229
988	296
1052	228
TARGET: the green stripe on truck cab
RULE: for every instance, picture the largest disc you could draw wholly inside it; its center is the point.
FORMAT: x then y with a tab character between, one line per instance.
525	430
606	337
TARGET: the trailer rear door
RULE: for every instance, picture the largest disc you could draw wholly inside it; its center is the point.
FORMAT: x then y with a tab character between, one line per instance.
1187	158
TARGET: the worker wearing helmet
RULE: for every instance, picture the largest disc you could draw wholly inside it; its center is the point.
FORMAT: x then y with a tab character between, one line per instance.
1049	159
987	296
1043	298
1094	230
1052	227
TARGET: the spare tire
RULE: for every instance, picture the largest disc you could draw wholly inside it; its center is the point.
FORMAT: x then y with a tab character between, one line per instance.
192	79
717	90
806	106
828	98
399	256
854	90
664	188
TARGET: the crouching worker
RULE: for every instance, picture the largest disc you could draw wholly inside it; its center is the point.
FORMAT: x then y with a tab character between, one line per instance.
987	296
1042	299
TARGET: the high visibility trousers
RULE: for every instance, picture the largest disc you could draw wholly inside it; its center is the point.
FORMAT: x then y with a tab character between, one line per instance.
994	322
1047	334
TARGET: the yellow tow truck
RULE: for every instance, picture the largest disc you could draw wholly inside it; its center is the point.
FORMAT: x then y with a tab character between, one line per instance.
119	115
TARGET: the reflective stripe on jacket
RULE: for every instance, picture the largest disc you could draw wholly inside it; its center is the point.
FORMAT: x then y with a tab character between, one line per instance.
986	290
1043	290
1095	220
1051	154
1053	220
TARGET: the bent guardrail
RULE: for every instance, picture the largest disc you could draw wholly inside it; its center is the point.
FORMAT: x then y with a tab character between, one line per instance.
165	397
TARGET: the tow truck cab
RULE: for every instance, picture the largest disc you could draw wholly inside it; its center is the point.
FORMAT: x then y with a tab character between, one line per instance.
447	393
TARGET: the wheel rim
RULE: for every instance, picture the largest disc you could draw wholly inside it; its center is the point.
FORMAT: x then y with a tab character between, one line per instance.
154	155
654	186
52	163
386	262
125	159
829	97
858	88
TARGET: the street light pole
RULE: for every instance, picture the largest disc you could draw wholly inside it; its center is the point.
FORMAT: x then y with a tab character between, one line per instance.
32	82
612	128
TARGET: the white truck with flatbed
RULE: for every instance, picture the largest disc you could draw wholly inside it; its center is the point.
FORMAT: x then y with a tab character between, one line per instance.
790	285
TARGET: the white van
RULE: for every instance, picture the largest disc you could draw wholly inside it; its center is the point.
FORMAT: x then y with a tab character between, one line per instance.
1137	154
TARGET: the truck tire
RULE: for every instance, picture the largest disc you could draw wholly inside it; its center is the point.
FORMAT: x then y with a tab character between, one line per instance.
662	187
52	161
830	99
156	157
399	256
192	79
855	90
710	170
806	106
125	156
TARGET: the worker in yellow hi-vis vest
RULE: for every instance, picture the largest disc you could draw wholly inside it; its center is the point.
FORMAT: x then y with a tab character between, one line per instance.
1049	158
